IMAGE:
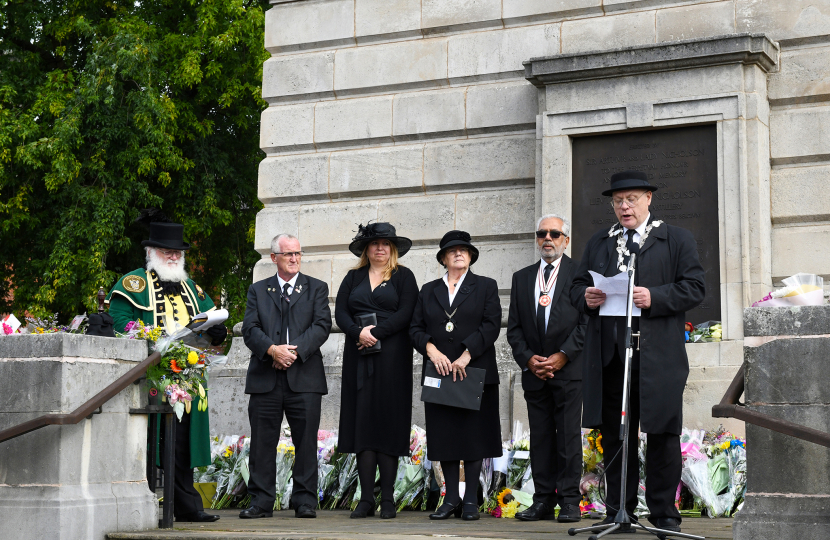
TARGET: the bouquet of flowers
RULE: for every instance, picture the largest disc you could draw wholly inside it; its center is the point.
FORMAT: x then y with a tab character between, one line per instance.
706	332
800	290
346	471
518	451
231	472
409	479
284	480
326	448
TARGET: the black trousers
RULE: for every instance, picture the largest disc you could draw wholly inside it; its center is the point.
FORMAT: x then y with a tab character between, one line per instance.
186	500
663	458
265	411
555	415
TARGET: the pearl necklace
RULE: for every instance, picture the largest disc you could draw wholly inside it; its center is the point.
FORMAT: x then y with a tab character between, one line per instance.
622	250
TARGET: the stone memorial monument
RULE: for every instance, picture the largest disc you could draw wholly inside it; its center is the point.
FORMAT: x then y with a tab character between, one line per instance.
72	482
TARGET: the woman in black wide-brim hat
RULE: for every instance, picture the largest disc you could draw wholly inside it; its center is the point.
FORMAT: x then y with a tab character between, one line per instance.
455	326
376	396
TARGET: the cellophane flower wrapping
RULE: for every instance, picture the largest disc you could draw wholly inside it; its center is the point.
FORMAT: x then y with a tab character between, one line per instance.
518	451
799	290
714	470
409	479
486	481
285	464
346	467
326	448
232	472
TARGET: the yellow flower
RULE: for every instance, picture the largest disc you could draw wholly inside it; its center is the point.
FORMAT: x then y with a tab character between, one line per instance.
509	510
192	357
505	497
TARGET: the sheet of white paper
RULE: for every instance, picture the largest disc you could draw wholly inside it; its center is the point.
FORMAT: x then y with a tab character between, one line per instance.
500	463
211	318
616	295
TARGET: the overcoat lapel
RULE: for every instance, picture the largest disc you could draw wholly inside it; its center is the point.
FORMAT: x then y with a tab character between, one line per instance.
611	257
442	295
467	289
300	287
564	266
531	277
274	291
655	233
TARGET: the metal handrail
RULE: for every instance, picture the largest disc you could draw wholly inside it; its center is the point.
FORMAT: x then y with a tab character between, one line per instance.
730	407
87	409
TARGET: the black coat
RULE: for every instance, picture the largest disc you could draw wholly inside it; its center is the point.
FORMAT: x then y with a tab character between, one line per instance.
455	433
566	326
309	324
668	266
477	322
378	416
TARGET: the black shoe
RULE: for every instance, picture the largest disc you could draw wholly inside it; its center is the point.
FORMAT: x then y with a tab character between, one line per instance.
469	512
537	511
255	512
305	511
363	509
197	517
625	528
666	523
569	513
387	510
446	510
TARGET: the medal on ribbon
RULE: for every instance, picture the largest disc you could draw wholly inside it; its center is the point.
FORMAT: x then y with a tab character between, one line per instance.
450	326
545	287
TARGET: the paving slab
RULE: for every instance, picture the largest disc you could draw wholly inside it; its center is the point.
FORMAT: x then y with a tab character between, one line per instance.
336	525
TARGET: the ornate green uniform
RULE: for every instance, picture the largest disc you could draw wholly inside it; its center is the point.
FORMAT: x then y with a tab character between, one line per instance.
138	296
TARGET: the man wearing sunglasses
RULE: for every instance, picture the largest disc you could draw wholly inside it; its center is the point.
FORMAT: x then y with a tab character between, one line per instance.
668	281
287	320
546	333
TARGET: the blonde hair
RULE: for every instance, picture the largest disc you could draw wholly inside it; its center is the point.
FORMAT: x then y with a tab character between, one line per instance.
391	264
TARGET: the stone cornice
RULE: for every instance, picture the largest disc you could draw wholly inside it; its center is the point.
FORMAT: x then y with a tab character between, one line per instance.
694	53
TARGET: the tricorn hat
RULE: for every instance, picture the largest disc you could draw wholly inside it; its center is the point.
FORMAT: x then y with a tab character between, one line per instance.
456	238
166	236
378	231
628	180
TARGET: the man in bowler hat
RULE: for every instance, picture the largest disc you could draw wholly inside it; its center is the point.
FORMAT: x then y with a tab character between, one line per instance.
669	281
162	294
287	320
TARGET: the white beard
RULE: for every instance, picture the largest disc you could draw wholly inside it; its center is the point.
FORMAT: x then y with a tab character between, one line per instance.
166	270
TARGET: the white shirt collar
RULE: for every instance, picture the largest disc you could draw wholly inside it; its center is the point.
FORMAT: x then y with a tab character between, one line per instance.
543	264
457	286
642	228
291	282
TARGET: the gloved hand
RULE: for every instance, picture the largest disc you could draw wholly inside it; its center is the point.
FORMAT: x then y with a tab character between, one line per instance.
217	333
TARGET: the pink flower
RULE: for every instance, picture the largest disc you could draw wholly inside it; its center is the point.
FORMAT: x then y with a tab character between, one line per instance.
130	326
497	512
153	392
7	329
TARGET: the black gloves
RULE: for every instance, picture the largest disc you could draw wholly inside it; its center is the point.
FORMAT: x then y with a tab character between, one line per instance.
217	333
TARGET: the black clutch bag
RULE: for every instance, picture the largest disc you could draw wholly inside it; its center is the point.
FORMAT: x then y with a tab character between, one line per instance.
442	390
369	319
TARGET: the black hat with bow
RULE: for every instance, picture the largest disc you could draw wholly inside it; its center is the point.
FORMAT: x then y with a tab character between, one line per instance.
163	233
378	231
457	238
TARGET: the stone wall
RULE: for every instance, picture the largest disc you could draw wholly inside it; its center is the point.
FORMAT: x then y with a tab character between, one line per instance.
418	112
77	481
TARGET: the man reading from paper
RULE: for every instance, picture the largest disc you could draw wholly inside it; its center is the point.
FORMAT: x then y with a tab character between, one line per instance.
669	281
162	294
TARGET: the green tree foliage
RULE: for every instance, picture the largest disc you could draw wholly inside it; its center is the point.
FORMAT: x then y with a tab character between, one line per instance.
111	106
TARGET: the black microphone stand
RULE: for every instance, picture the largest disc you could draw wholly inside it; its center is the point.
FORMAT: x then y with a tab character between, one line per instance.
622	517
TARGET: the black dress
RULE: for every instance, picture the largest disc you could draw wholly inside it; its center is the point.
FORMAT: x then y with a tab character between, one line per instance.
376	396
454	433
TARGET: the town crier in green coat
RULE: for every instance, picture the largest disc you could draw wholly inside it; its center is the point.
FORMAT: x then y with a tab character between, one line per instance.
161	294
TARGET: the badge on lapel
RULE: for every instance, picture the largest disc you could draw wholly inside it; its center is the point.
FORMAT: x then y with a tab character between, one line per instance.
201	292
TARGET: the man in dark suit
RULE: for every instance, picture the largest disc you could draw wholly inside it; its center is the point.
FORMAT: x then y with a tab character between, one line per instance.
287	320
668	280
546	334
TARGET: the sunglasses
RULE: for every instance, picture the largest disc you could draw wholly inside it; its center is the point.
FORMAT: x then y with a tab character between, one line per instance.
553	234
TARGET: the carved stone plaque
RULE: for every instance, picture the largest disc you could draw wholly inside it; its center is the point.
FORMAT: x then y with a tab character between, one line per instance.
682	163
